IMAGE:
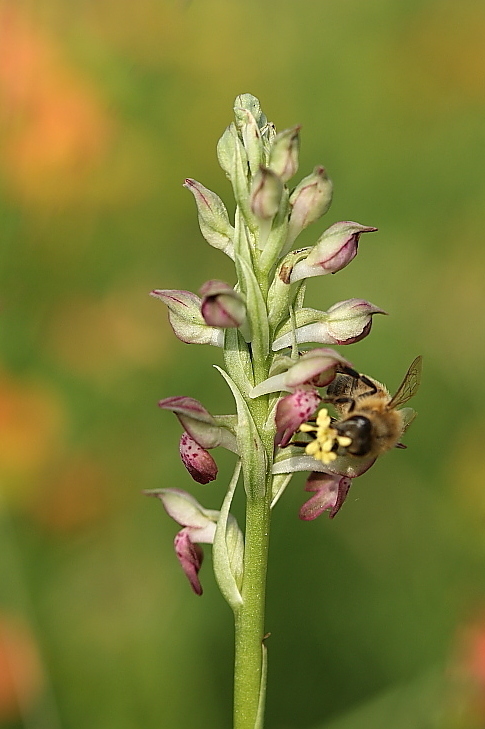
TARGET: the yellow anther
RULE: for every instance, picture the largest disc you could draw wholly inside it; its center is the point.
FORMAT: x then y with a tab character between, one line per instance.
306	428
326	438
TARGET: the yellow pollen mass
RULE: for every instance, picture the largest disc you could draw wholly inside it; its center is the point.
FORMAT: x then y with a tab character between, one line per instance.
321	447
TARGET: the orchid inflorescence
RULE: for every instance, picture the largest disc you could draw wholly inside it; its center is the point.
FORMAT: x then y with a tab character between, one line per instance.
255	322
261	323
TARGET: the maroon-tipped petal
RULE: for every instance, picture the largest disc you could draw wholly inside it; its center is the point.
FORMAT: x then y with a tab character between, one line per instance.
190	556
198	462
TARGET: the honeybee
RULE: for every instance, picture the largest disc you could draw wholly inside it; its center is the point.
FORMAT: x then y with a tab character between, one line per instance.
369	423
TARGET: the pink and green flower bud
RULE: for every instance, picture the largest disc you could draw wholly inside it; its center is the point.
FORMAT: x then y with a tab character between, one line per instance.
330	493
283	156
213	218
317	368
199	528
292	411
199	423
198	462
185	317
266	193
346	322
221	305
335	249
351	320
310	199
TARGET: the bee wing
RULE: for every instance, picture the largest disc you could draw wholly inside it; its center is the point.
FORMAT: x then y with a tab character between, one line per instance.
408	415
409	385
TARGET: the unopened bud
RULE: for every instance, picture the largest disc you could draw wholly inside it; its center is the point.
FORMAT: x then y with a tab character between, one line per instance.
186	319
226	149
248	102
266	192
346	322
221	305
283	157
309	200
335	249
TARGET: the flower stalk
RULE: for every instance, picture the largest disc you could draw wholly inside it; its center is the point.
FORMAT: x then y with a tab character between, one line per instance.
260	322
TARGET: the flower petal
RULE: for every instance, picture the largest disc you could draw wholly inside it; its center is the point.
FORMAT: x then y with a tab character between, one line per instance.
186	318
330	493
334	250
316	367
289	461
190	556
198	462
199	423
292	411
183	508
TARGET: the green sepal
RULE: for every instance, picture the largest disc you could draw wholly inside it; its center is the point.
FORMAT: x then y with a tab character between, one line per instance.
249	443
302	317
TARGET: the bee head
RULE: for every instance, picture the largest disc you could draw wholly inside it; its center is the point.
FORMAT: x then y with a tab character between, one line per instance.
359	430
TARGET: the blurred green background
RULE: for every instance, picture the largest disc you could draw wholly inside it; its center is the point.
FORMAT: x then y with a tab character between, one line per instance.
378	617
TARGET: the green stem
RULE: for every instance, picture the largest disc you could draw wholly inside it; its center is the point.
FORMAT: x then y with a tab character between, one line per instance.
249	622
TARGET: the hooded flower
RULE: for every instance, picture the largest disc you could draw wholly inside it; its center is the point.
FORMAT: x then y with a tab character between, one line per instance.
346	322
199	527
202	431
335	249
315	368
222	306
185	316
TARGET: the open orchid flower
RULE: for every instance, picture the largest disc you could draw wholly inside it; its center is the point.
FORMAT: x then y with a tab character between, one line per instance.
199	527
292	411
201	433
346	322
335	249
330	492
185	317
316	368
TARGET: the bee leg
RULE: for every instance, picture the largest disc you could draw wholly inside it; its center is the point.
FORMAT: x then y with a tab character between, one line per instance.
357	376
344	400
400	445
372	387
